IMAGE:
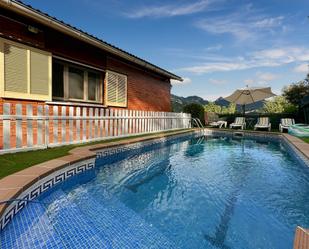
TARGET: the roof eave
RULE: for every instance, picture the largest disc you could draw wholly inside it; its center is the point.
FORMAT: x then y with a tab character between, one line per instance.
65	28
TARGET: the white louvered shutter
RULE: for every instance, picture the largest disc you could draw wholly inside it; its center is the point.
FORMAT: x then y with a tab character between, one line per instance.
15	69
122	90
39	71
116	89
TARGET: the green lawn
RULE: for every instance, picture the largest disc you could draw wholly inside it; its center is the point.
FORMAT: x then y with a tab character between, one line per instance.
11	163
305	139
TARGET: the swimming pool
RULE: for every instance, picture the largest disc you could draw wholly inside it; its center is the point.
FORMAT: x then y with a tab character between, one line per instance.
189	192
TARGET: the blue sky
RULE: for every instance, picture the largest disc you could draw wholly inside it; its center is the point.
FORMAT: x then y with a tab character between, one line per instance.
215	45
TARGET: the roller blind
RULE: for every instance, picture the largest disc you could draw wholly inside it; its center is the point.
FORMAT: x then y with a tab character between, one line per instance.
15	69
116	89
39	71
27	72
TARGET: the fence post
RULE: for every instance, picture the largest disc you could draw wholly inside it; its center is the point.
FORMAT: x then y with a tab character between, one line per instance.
71	115
46	120
29	126
77	123
96	123
19	133
101	114
6	127
40	125
106	115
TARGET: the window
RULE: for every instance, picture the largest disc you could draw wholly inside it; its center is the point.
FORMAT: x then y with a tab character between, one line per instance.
76	83
26	72
93	86
116	87
58	90
73	82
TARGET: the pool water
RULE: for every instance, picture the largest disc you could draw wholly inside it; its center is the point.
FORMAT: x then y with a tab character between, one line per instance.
206	192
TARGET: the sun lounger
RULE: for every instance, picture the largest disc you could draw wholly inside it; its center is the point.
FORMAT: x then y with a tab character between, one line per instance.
240	122
219	124
285	123
263	123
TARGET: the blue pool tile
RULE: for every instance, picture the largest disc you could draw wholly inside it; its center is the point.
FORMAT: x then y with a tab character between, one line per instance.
75	230
123	226
30	229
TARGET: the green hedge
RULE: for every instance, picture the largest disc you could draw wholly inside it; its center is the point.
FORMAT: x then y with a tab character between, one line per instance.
274	118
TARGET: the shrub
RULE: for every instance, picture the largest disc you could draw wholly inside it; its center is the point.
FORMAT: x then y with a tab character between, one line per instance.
196	111
273	117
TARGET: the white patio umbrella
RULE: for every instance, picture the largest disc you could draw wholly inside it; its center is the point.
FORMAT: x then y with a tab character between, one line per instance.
249	95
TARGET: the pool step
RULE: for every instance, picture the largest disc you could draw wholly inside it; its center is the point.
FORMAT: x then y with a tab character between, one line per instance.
73	227
123	226
30	229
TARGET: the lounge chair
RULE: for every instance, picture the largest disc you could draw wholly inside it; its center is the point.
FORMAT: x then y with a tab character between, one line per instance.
285	123
263	123
240	122
219	124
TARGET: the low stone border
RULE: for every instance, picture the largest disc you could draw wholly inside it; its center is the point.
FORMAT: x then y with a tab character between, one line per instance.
29	183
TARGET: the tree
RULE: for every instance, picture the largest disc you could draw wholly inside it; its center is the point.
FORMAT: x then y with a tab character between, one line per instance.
278	104
196	110
295	92
212	107
230	109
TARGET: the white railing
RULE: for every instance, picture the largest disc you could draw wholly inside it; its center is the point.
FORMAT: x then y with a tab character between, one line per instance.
27	126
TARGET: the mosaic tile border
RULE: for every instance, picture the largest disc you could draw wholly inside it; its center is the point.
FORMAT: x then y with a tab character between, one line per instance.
42	186
100	153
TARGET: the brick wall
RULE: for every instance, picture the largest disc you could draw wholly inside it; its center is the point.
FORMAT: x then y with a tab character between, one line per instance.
146	89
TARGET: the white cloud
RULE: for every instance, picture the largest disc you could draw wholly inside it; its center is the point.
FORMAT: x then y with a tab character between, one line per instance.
263	58
244	24
249	82
217	82
269	22
185	81
262	79
215	96
267	76
214	48
302	68
171	10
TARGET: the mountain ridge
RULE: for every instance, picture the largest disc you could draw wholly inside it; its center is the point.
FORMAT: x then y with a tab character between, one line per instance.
178	102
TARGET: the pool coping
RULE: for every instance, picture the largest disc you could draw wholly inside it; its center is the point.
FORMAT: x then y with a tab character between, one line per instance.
38	178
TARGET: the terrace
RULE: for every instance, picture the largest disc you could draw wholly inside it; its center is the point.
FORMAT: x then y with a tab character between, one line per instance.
93	156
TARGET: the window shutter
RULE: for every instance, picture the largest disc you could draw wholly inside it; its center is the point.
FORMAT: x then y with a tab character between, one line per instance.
15	69
116	89
39	71
122	90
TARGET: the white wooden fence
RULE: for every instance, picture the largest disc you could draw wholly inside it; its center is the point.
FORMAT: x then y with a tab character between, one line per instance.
27	126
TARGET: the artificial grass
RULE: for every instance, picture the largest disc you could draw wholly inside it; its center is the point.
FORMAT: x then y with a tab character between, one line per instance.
11	163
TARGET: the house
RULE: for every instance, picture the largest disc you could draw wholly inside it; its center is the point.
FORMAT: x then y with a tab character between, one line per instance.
60	85
44	60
